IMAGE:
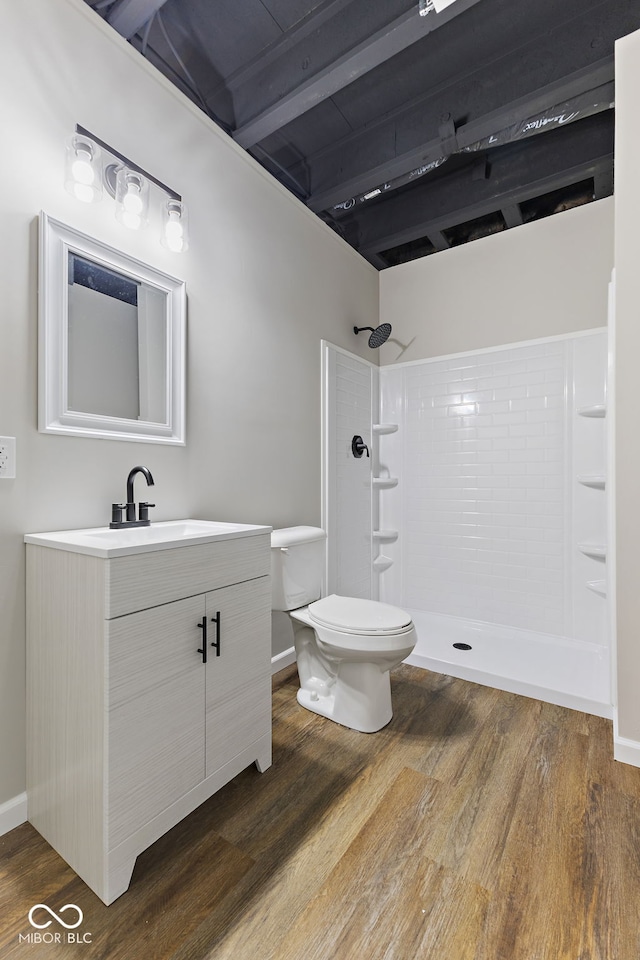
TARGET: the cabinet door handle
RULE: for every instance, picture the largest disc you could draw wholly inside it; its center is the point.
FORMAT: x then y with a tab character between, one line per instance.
216	643
203	649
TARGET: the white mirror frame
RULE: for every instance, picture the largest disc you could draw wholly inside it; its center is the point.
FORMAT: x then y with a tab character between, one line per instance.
56	241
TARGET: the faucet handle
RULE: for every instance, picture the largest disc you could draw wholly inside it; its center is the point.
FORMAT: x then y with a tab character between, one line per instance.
143	511
116	512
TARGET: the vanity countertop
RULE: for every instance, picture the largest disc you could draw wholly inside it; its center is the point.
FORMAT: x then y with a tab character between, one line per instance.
163	535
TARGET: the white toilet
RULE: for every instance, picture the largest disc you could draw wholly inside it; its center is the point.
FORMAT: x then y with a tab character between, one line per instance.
344	646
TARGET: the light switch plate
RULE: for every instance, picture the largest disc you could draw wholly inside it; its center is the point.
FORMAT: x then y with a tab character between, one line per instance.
7	458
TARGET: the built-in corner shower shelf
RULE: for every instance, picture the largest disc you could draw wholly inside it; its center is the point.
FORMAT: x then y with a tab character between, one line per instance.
381	563
385	483
594	480
385	536
597	551
385	428
594	410
598	586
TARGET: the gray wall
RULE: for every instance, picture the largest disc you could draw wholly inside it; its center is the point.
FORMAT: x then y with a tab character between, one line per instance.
537	280
627	211
266	281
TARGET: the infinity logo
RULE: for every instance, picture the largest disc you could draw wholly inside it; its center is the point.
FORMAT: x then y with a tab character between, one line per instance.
67	926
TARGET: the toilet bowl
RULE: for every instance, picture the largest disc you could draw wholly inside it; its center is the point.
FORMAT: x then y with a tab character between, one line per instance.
345	646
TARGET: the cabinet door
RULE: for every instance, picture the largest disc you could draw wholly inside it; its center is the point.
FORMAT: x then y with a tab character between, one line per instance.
238	692
156	688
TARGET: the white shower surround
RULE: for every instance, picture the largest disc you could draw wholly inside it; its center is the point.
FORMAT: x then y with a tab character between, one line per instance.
349	391
489	512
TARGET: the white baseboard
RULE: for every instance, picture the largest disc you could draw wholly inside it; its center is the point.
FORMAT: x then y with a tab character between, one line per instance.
282	660
13	813
626	751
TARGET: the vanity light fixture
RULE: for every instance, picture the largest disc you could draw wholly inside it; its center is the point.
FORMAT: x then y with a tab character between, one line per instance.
92	164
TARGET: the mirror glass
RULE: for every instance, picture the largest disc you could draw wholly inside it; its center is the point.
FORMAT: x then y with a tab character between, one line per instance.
111	342
116	344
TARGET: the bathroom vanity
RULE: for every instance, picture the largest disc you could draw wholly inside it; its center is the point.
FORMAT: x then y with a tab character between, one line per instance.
148	683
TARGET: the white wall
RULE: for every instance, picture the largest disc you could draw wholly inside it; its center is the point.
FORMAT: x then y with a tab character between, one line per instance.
627	256
266	281
538	280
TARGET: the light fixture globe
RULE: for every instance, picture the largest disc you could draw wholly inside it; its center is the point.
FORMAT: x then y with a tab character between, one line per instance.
83	170
175	233
132	198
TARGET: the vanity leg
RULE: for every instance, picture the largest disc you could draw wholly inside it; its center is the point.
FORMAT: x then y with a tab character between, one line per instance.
263	759
118	880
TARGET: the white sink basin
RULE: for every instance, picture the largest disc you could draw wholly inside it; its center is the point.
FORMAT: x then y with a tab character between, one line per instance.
164	535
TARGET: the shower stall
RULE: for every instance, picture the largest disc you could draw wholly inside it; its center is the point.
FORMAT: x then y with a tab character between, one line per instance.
482	509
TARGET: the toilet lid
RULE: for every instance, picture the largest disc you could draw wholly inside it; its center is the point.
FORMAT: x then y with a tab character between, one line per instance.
352	615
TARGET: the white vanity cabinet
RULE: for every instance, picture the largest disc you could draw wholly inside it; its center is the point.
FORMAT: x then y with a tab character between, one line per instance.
132	720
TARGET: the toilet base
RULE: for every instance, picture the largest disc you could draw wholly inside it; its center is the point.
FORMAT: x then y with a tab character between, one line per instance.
360	698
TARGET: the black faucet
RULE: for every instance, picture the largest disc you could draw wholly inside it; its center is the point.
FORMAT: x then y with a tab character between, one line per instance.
117	508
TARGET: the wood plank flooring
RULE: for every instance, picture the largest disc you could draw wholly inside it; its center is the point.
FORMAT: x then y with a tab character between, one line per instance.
478	825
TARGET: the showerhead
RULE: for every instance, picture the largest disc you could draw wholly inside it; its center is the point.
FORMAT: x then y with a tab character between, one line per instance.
378	336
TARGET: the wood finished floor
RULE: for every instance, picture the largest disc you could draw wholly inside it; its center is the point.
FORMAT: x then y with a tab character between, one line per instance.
478	825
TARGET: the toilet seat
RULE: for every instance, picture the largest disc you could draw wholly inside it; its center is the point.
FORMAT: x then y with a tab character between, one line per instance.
357	617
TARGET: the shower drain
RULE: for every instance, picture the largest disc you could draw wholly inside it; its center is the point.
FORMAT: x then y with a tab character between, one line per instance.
463	646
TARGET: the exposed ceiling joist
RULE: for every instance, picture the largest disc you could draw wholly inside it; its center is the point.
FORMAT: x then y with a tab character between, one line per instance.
512	215
292	84
411	138
128	16
406	140
518	173
438	239
603	183
314	21
377	261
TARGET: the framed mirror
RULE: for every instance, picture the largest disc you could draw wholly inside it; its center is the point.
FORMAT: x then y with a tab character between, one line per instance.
111	342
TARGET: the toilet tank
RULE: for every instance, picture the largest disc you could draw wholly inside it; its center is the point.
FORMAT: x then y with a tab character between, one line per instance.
297	566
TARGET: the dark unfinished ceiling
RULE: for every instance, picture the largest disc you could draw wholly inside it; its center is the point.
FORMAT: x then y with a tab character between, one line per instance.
409	126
